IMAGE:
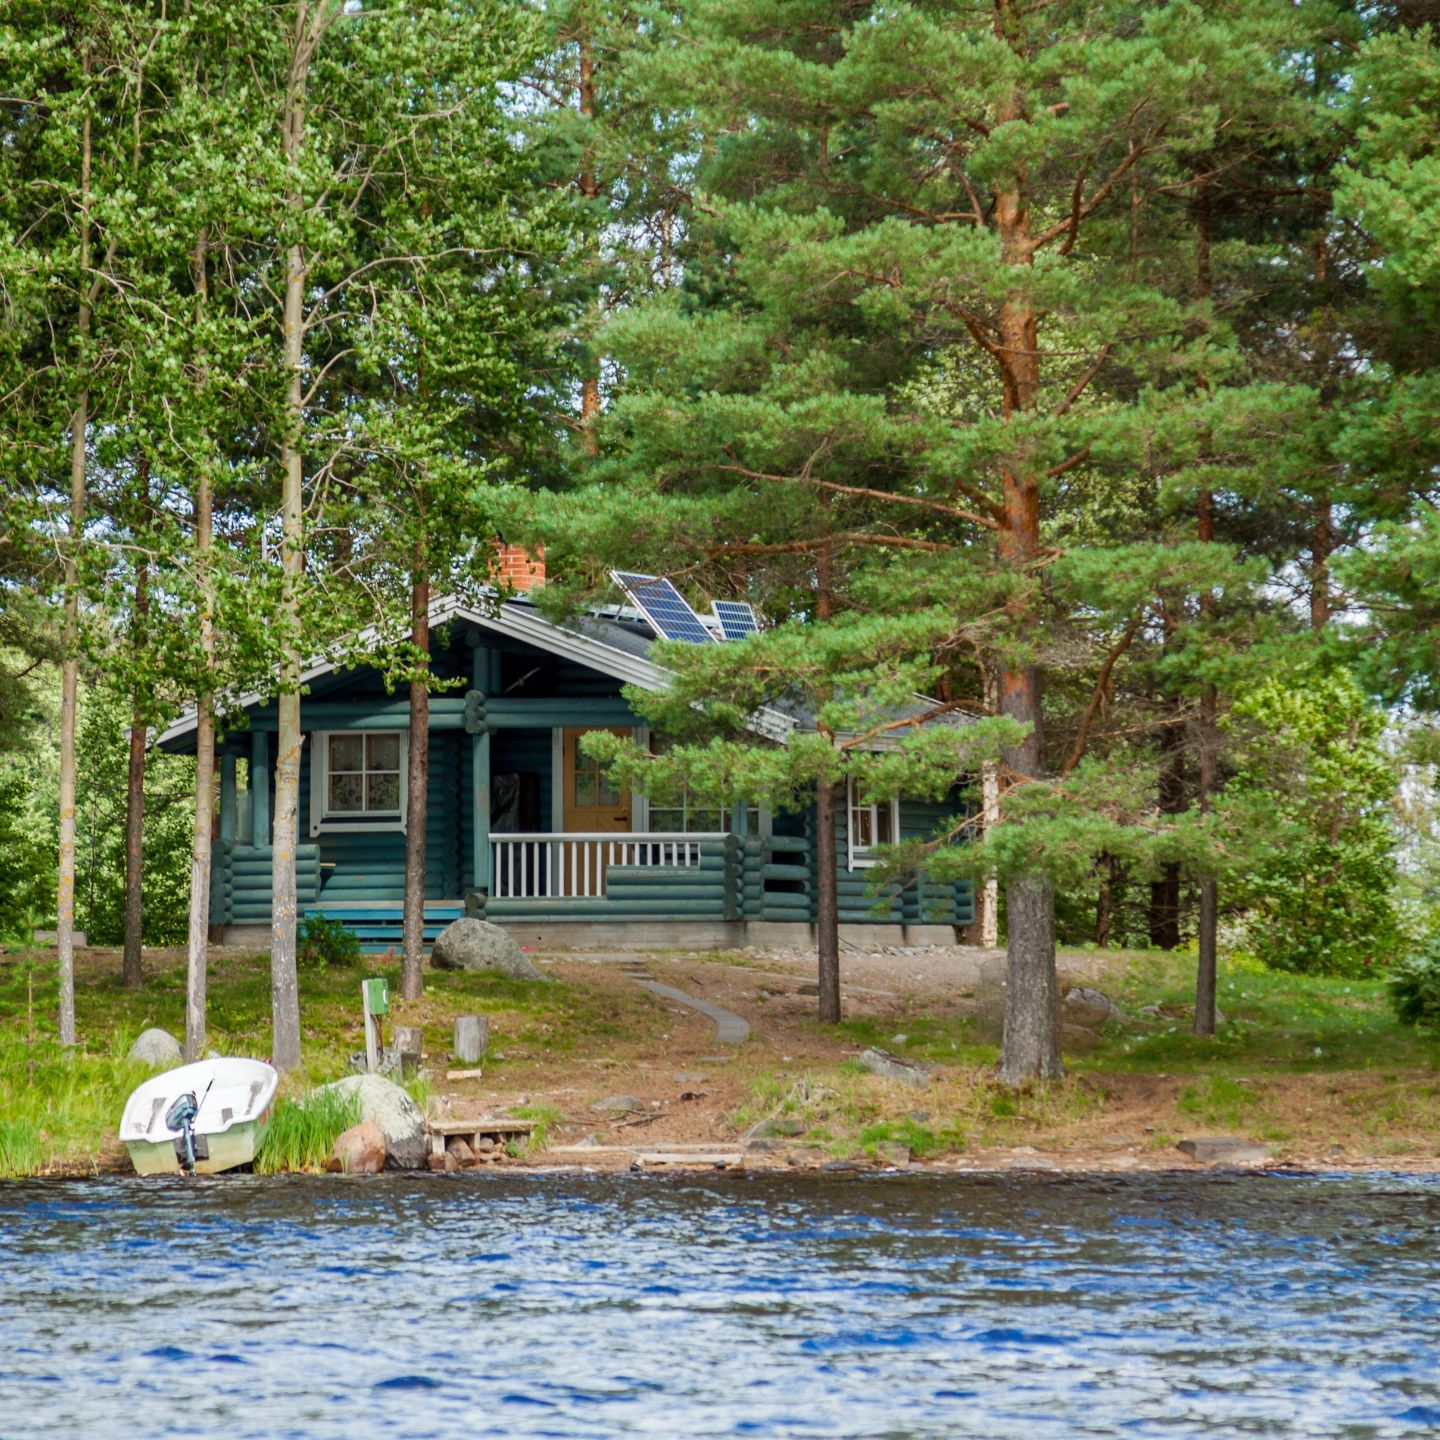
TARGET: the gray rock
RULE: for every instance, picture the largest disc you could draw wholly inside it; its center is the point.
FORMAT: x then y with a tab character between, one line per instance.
892	1067
157	1047
388	1106
1088	1008
779	1125
1224	1150
618	1105
690	1077
461	1150
477	945
893	1153
360	1150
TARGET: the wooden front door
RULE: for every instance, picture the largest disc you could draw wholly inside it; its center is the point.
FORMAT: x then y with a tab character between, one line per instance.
591	800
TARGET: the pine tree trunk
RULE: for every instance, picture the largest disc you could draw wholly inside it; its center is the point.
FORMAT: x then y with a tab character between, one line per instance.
130	966
1031	1046
412	975
1103	901
827	905
70	665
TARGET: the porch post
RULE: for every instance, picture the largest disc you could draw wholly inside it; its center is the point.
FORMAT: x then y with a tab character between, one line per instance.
260	788
480	808
229	807
485	666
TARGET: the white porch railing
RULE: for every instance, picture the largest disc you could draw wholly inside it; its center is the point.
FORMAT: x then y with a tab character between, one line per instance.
573	866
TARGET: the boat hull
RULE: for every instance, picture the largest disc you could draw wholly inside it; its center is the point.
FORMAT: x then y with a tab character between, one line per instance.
228	1151
229	1102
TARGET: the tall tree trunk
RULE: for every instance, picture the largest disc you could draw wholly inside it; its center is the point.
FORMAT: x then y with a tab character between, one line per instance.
130	965
1322	546
827	904
590	189
990	816
70	664
1208	923
827	885
1165	889
284	981
1031	1046
1104	900
197	952
412	975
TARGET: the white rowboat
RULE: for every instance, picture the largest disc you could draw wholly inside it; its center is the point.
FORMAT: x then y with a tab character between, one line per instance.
232	1110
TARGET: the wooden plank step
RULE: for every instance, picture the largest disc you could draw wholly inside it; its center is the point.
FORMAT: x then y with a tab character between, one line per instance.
707	1158
482	1125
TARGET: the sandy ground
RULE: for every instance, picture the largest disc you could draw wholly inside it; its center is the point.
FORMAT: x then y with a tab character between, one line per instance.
690	1089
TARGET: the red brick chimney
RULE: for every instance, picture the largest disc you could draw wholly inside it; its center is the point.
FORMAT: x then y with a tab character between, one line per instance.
515	568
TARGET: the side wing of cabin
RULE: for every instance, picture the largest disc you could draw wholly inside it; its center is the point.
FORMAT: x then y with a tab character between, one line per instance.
522	828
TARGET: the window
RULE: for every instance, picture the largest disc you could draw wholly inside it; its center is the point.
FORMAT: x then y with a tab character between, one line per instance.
687	814
870	825
362	775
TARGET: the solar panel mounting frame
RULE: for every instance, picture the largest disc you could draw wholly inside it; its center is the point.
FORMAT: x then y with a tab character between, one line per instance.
737	618
669	613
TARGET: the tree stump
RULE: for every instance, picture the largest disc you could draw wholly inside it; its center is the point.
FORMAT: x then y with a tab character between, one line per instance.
408	1041
472	1035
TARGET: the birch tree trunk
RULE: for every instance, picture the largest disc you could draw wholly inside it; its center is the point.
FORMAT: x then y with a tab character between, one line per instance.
131	970
284	981
70	665
412	972
990	816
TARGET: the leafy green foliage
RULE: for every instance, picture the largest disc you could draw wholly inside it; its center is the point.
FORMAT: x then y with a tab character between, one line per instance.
1414	987
324	943
1315	786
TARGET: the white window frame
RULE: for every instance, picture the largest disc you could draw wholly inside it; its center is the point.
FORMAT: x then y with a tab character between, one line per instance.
642	806
859	857
322	819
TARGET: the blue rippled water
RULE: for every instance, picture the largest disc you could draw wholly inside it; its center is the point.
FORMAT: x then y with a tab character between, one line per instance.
773	1305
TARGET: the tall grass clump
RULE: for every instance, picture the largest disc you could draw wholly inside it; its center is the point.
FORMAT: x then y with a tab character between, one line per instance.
303	1131
59	1107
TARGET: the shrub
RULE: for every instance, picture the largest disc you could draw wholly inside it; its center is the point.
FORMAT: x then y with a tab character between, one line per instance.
327	945
1414	987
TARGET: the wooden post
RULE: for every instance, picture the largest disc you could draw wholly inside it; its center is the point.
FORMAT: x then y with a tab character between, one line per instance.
472	1036
259	789
375	1001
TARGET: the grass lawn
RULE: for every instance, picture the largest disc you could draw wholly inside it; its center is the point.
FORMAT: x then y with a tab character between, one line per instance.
59	1112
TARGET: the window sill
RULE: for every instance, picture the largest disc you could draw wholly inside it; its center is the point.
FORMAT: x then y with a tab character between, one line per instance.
381	824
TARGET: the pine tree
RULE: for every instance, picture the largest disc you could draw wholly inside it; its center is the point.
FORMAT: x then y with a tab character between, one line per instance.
910	276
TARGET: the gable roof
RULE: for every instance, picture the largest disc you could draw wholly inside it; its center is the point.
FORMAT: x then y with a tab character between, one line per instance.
613	645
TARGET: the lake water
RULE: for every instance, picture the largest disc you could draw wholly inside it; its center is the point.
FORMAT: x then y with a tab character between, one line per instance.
773	1305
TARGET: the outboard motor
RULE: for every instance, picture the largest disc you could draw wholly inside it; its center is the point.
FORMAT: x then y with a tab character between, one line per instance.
189	1147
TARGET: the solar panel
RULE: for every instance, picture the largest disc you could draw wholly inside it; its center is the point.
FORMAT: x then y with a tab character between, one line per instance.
664	607
736	618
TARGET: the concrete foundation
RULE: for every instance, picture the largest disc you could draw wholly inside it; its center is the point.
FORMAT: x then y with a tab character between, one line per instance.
674	935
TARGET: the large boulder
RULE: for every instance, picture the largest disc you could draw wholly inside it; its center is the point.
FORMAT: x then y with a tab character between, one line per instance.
157	1048
1089	1008
387	1106
477	945
360	1150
